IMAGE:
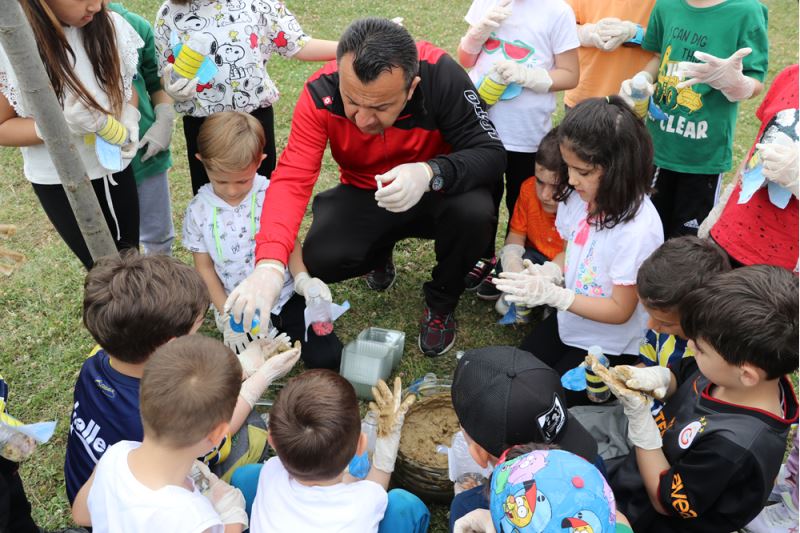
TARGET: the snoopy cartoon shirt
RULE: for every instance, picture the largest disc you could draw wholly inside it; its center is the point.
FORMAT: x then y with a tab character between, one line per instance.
244	34
696	137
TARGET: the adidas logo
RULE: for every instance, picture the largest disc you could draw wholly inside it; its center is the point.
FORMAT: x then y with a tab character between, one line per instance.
692	224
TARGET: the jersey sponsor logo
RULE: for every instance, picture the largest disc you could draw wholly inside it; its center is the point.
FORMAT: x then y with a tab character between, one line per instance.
679	500
105	388
86	432
663	424
483	117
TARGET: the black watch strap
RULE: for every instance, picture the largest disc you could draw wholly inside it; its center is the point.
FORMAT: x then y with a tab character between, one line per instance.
436	183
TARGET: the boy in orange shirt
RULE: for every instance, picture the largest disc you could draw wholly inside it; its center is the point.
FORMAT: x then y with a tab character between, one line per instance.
532	231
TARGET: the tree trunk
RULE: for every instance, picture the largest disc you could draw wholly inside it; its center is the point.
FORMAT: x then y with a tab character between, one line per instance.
16	38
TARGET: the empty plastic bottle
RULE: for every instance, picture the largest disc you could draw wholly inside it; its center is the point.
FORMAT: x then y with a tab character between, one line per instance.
319	312
640	94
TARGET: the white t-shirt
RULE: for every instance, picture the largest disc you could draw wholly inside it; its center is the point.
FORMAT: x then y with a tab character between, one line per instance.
283	505
119	503
227	233
37	165
608	257
534	34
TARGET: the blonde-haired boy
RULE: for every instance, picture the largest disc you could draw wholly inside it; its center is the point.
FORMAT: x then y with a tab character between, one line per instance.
220	227
188	393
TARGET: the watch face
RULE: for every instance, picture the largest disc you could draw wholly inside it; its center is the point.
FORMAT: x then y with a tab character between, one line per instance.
437	183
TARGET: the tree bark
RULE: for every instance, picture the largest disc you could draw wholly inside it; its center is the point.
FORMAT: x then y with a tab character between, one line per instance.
39	99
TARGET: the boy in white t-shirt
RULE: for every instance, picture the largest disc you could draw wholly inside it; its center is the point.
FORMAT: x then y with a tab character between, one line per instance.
220	228
315	428
188	392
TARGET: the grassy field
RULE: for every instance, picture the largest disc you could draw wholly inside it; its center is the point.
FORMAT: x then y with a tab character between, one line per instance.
43	340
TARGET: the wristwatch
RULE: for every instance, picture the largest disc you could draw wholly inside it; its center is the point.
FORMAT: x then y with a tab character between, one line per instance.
637	39
437	180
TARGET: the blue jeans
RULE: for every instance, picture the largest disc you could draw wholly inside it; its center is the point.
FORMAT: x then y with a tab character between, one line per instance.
405	513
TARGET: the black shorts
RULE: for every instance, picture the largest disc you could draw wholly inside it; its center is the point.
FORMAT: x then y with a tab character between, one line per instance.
684	200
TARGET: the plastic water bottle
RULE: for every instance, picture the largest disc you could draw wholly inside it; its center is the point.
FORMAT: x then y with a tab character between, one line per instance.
492	88
596	390
463	471
640	95
191	57
255	326
360	464
320	312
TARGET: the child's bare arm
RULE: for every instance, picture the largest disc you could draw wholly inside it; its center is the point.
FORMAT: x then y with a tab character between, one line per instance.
515	238
566	71
205	267
317	50
617	309
80	507
15	130
652	464
296	264
466	59
233	528
380	477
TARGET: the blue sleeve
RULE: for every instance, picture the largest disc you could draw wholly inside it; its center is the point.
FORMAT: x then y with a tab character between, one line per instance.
469	500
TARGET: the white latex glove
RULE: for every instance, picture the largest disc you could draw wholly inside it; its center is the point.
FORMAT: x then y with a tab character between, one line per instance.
705	227
391	413
180	89
547	270
476	35
651	379
303	281
228	501
589	36
476	521
642	429
524	288
724	75
536	79
81	119
275	367
406	185
511	257
780	164
130	119
158	137
259	290
626	89
253	357
614	32
398	21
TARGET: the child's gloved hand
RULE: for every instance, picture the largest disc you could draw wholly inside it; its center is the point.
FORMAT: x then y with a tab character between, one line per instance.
275	367
589	36
81	119
402	187
532	290
158	137
180	89
780	164
302	282
626	88
642	429
723	74
614	32
130	119
228	501
260	350
511	257
536	79
652	380
476	521
259	290
391	413
476	35
547	270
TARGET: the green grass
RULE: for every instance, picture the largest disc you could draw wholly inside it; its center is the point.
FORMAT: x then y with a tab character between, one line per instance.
44	343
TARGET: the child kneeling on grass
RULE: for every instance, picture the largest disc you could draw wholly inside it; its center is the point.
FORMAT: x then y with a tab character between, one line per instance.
220	228
708	461
188	394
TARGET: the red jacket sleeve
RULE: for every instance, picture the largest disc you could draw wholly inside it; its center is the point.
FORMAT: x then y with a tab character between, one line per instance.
292	182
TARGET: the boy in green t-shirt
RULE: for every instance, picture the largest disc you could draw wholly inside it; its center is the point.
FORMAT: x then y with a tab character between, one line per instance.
710	55
151	164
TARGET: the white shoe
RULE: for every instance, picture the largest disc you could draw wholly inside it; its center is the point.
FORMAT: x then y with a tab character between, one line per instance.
778	518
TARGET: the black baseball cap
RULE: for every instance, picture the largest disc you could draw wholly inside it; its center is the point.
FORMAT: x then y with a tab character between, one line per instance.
504	396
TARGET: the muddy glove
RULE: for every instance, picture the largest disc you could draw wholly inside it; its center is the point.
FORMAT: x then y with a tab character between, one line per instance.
302	282
228	501
511	257
179	89
81	119
259	351
391	413
614	32
476	35
652	380
724	75
626	89
547	270
402	187
705	228
276	367
476	521
780	164
642	429
259	290
536	79
158	137
531	291
130	119
589	36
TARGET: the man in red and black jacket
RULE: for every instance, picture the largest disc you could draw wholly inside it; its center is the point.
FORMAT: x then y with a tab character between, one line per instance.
418	157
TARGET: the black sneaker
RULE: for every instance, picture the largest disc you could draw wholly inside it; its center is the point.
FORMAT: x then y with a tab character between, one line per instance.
437	332
487	290
382	278
479	272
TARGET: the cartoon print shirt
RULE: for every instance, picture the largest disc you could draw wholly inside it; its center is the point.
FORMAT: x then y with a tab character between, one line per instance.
697	135
723	459
227	233
245	34
535	32
596	260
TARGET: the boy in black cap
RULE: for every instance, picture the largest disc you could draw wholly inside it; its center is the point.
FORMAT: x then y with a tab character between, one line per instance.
504	396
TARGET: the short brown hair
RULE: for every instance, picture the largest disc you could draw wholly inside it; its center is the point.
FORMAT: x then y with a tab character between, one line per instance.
548	154
230	141
189	387
132	304
315	425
